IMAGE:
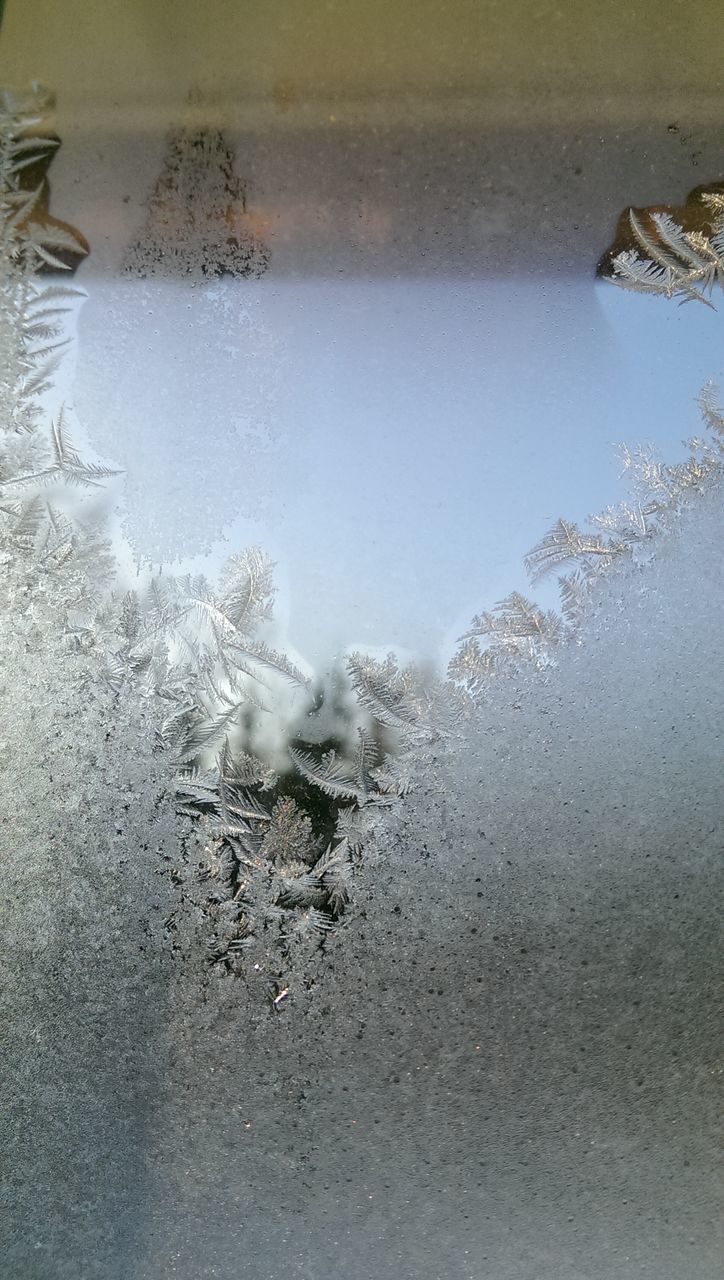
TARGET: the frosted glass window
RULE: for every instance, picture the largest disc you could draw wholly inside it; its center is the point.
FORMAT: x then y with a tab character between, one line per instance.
361	614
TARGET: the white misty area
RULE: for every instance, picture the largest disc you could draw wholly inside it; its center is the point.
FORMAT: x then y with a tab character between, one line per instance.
397	447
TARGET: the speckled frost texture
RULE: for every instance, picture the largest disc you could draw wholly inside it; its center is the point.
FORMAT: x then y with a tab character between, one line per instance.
197	435
208	441
506	1065
197	223
87	832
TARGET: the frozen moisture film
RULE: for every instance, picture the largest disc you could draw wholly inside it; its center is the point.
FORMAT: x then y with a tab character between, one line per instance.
361	835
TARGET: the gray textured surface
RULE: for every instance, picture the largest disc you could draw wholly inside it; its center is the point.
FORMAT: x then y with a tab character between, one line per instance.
507	1064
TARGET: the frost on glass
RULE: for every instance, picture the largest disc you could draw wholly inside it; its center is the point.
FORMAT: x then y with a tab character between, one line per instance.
179	370
670	252
431	971
197	224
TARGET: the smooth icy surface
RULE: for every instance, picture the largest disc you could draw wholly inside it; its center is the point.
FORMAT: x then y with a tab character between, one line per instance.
507	1064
